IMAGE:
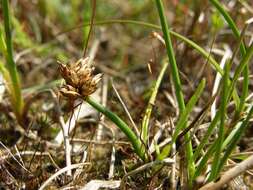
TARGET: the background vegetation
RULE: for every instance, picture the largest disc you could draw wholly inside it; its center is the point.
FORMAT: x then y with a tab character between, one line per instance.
173	109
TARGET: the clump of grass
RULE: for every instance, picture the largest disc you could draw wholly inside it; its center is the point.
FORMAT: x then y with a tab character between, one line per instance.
217	149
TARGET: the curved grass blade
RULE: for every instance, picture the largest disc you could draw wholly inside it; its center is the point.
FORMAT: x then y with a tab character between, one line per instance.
151	103
206	136
204	160
236	138
222	110
189	42
236	33
135	141
244	62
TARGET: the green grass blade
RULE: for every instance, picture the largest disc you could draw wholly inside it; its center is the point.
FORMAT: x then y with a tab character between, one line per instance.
231	135
204	141
204	160
183	118
135	141
11	66
177	83
171	56
151	103
236	138
189	107
236	33
244	62
220	139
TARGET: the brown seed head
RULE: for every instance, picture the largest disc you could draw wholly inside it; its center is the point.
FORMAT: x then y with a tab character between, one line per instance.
79	78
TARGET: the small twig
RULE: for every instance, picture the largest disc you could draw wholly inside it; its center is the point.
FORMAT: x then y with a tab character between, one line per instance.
76	140
158	134
112	162
167	161
98	184
8	150
66	144
230	174
125	108
27	153
18	154
173	182
104	100
64	133
80	170
61	171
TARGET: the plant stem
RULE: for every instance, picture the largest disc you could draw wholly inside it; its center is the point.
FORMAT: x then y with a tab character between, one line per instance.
170	53
11	66
135	141
151	103
177	85
236	33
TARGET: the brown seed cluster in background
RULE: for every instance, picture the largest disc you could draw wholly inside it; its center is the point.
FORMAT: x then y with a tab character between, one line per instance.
79	78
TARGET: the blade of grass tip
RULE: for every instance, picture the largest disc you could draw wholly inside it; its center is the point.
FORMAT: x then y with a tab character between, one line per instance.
220	139
230	22
183	119
135	141
11	66
236	138
151	103
236	33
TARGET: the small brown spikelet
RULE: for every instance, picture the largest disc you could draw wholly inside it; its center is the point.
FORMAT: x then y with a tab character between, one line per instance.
79	78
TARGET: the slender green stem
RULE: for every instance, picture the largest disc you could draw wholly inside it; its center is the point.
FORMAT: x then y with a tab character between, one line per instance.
11	66
206	136
177	85
236	138
136	142
151	103
182	121
215	164
171	56
204	159
236	33
241	67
